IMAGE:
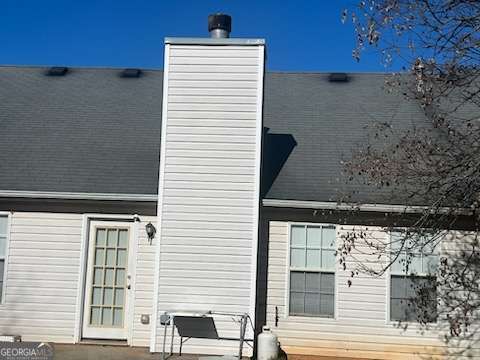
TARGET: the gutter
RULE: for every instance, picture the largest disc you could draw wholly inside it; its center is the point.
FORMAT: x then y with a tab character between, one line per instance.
330	205
76	195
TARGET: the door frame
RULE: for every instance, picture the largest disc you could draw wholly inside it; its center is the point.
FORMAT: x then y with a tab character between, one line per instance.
82	275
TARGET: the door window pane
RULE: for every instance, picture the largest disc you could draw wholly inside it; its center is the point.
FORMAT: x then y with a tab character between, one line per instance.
95	317
99	257
101	235
117	317
107	316
119	297
97	296
110	261
98	276
122	258
109	277
112	238
120	279
108	296
123	238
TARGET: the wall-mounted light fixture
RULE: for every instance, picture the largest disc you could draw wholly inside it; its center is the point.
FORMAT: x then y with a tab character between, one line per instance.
151	231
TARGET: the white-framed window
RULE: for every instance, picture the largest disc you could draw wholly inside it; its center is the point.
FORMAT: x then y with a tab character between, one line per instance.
3	252
312	270
413	290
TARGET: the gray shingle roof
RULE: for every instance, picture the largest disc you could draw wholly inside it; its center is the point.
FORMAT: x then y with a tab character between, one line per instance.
96	132
88	131
328	120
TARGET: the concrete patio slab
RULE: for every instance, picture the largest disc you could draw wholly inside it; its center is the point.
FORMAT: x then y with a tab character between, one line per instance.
109	352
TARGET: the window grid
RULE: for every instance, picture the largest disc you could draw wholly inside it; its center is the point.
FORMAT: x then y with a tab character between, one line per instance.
108	292
323	248
416	259
305	240
402	307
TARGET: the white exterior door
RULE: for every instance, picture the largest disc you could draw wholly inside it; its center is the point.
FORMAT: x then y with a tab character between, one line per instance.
107	282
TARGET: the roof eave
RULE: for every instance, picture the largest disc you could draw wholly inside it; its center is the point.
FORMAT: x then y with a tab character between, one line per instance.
330	205
77	196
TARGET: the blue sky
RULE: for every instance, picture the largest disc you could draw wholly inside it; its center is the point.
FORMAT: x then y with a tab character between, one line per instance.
301	35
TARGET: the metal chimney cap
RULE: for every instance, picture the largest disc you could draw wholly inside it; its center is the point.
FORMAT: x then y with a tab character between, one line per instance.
220	22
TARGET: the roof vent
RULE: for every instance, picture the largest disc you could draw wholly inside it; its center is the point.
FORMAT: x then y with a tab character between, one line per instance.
338	77
131	73
219	25
57	71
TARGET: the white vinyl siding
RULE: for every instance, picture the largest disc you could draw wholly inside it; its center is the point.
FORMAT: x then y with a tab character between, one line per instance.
42	278
3	253
209	186
144	280
361	327
312	270
41	284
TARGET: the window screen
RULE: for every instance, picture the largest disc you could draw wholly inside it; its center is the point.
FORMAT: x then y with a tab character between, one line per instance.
312	270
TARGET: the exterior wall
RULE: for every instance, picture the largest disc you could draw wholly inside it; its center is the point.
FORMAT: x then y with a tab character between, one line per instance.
42	276
41	289
144	280
209	186
360	328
